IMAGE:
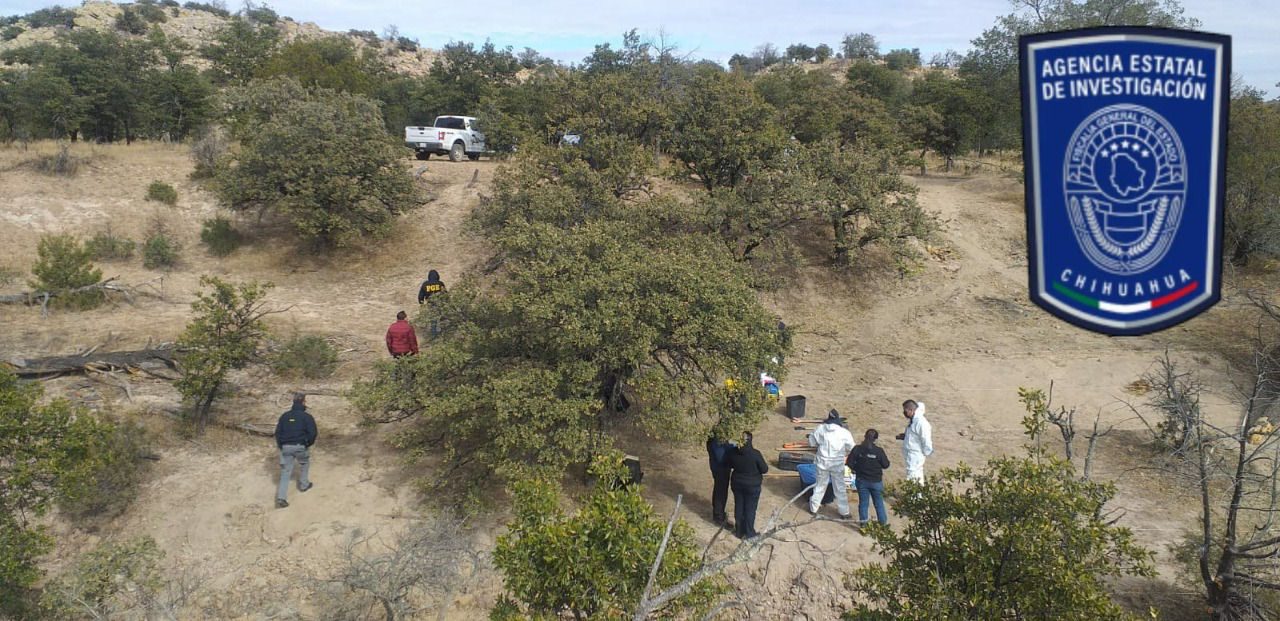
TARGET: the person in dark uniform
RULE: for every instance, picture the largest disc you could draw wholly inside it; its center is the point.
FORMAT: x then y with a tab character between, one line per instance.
749	468
868	462
432	286
295	433
719	454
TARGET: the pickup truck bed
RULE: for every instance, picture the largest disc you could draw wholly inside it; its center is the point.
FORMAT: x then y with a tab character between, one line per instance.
454	136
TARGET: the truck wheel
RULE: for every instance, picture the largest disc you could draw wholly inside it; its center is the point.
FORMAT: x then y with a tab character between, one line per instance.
422	155
475	157
457	151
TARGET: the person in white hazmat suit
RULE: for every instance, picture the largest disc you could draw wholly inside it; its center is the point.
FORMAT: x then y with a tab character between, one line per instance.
917	440
834	443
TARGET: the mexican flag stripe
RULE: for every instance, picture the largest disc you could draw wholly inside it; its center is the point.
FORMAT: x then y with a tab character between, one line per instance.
1126	309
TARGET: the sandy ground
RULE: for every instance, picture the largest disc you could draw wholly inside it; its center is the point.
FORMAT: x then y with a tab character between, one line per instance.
960	336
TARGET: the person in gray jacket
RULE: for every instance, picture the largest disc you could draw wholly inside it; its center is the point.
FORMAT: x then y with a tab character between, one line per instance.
295	433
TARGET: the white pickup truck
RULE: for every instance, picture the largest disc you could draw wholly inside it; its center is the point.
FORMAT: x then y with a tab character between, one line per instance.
453	135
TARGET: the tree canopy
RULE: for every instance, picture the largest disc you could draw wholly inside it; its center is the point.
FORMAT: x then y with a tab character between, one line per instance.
594	562
349	185
1021	538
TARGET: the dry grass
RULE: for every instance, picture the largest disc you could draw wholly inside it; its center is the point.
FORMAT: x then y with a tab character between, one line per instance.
9	275
60	163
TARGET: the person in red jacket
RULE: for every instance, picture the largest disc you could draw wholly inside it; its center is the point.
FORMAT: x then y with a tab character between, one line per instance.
401	339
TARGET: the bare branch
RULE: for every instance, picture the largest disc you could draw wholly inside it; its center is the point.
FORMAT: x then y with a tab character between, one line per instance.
745	550
662	549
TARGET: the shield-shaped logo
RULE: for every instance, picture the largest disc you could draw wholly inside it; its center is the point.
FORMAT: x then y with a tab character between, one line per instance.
1124	147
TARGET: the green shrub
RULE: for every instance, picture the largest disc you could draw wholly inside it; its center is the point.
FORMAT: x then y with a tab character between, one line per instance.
11	32
63	264
224	335
131	21
38	442
52	17
160	251
20	552
596	560
151	12
106	246
261	15
353	185
102	475
216	7
114	580
405	44
220	236
308	356
162	192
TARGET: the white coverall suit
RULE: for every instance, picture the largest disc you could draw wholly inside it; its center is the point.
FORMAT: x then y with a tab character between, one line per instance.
917	444
834	443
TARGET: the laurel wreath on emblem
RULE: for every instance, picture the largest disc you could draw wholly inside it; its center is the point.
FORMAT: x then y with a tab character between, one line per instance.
1148	240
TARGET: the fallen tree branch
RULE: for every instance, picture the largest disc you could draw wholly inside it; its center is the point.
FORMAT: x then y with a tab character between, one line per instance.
662	548
108	361
249	428
42	297
742	553
307	392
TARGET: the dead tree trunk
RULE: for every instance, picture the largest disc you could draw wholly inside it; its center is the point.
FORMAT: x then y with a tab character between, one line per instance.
30	298
109	361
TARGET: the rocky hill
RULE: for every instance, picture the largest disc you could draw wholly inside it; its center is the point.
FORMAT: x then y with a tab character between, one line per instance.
197	27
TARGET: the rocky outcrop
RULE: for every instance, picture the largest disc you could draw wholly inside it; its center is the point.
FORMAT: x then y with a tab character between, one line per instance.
198	28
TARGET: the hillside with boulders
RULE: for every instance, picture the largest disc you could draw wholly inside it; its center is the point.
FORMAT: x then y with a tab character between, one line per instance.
196	25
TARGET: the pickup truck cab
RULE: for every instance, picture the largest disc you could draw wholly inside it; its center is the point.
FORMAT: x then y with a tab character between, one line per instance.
454	136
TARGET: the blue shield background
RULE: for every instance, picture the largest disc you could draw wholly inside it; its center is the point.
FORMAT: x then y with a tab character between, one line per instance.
1048	126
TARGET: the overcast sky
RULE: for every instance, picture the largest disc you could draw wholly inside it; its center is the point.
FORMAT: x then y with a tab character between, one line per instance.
567	30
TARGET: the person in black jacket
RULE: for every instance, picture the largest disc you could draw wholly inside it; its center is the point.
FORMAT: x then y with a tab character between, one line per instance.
868	462
432	286
719	453
295	433
749	468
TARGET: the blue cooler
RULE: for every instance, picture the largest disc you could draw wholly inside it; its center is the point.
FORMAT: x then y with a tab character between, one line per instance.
809	476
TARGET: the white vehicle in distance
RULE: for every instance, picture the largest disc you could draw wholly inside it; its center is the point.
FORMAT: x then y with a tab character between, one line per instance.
455	136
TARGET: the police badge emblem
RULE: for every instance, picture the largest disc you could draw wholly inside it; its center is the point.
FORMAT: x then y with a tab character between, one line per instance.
1124	133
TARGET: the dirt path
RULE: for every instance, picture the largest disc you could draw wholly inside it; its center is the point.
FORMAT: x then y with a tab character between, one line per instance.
960	336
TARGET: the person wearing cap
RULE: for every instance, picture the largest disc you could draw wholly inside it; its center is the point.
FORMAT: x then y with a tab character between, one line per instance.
834	443
295	433
917	440
401	339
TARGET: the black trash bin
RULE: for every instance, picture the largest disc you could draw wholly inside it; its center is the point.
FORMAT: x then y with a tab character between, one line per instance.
795	407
